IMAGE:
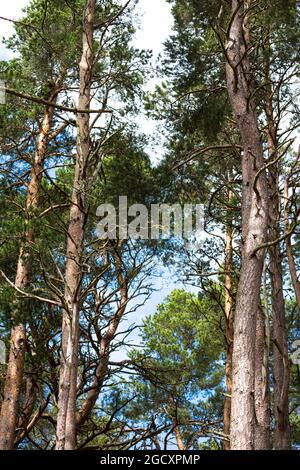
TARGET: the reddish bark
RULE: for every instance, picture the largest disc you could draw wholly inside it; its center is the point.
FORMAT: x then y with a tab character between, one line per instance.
15	367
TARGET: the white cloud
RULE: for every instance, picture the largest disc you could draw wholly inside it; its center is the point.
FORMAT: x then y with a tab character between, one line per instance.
11	10
156	24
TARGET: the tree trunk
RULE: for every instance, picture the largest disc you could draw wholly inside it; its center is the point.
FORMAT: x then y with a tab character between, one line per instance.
175	421
178	437
15	366
288	243
229	327
281	368
66	418
281	371
254	229
261	385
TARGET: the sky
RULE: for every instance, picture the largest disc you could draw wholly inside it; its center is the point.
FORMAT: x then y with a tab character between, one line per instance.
156	23
12	10
155	27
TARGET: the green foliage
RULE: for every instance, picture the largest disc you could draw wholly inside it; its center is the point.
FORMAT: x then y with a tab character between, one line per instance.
176	375
180	366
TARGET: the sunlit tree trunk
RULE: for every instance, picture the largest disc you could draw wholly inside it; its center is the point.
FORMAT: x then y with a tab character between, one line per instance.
281	368
178	437
15	367
229	324
261	385
175	422
66	418
245	361
288	243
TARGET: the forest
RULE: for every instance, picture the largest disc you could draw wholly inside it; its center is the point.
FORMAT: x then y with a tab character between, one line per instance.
91	358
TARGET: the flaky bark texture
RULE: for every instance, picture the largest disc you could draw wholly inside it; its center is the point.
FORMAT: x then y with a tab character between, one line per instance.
288	242
261	385
15	367
176	424
229	326
178	437
281	368
254	229
66	418
293	270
